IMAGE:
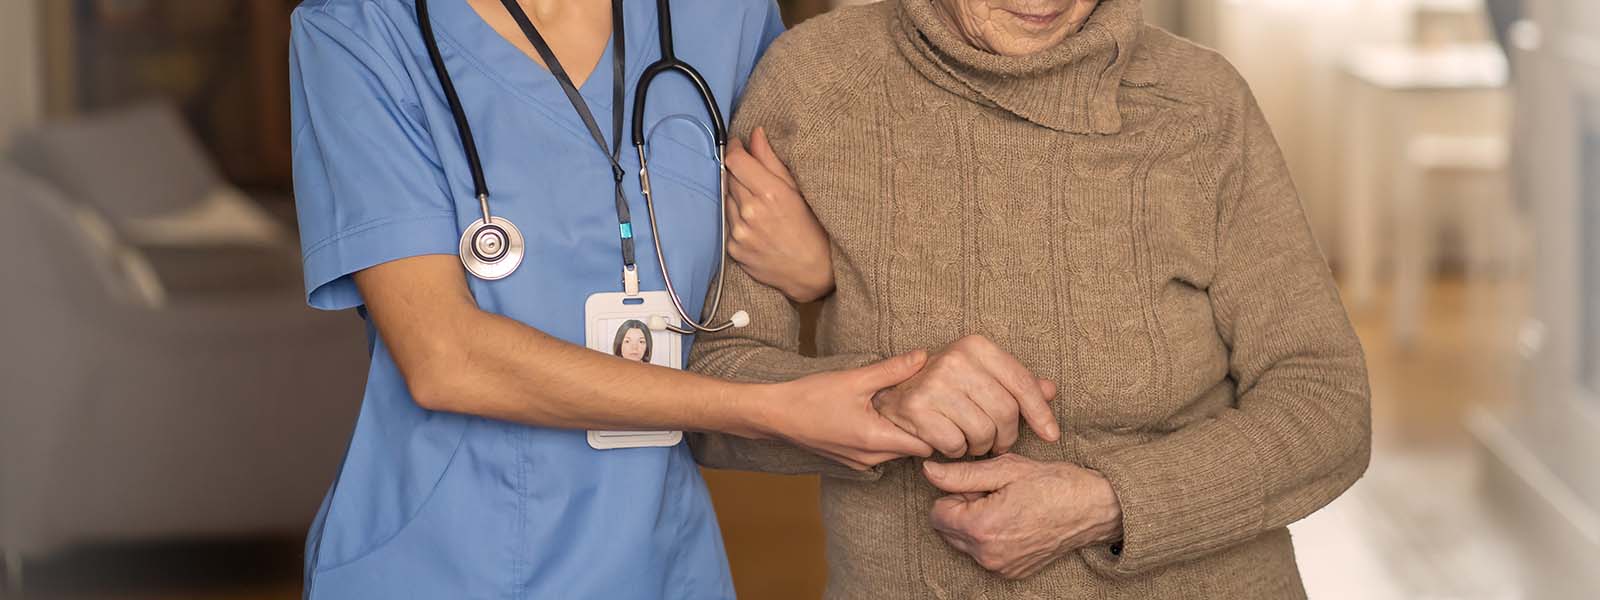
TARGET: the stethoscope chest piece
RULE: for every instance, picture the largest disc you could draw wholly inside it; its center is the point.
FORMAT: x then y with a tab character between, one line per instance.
491	249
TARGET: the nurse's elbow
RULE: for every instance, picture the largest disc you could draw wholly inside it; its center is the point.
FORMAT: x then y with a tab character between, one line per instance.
435	382
432	392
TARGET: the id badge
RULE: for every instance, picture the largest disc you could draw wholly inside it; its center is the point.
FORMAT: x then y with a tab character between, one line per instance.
619	325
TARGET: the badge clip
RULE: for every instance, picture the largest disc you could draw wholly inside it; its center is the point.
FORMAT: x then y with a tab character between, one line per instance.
630	281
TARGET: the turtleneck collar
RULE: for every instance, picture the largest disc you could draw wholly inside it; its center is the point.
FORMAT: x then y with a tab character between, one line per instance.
1071	87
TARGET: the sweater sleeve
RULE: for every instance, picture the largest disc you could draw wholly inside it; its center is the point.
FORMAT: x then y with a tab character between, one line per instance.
1299	432
767	350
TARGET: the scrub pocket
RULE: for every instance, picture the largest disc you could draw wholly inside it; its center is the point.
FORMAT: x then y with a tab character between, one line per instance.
441	550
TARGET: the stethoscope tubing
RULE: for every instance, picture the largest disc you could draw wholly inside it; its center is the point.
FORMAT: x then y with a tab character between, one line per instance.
719	127
480	184
668	62
722	249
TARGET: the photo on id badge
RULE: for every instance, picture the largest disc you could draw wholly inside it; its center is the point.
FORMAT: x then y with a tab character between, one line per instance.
619	325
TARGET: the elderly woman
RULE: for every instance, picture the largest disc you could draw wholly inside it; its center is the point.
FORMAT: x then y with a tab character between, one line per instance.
1104	202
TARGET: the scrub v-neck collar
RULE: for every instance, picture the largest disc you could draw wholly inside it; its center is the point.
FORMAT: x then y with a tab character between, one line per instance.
503	62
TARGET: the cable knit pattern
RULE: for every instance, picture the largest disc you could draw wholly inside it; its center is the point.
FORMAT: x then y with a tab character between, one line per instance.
1114	212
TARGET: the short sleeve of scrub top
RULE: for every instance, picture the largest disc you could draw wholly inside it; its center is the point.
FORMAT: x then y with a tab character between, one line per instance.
368	184
440	505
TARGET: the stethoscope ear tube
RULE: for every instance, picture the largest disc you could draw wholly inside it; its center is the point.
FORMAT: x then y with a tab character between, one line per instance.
669	62
719	127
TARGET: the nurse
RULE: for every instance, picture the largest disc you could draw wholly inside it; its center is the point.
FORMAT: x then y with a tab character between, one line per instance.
469	474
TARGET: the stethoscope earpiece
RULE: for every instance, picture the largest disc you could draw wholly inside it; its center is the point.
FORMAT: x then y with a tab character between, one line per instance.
738	320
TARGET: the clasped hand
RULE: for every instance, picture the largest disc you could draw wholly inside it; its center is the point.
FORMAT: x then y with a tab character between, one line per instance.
1011	514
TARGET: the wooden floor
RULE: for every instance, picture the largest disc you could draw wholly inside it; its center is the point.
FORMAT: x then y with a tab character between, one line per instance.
771	524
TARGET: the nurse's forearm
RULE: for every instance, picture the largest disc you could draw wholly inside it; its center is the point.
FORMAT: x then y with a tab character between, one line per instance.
492	366
458	358
499	368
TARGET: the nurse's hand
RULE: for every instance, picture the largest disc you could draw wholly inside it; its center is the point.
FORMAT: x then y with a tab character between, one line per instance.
831	414
772	232
969	400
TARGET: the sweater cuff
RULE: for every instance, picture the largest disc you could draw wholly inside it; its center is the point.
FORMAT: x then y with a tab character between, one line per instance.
1182	496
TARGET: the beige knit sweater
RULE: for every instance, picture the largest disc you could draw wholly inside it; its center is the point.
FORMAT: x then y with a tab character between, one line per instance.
1115	213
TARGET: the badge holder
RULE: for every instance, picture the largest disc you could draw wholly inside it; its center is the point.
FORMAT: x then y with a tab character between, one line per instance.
618	324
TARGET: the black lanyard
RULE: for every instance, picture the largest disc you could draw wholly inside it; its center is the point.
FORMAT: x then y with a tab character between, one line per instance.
612	152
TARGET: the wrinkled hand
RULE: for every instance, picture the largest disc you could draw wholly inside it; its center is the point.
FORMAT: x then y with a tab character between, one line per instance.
1015	515
831	414
773	234
968	399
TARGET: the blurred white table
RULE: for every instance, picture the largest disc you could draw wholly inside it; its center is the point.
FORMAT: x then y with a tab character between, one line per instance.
1397	93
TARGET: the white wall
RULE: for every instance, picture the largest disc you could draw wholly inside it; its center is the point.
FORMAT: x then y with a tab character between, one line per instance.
21	65
1289	51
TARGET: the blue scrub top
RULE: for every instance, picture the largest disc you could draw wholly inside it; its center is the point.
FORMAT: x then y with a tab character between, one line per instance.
435	505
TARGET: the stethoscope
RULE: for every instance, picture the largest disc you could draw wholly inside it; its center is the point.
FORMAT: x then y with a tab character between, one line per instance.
491	248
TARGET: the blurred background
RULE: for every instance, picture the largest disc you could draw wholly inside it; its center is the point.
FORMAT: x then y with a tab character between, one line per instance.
171	414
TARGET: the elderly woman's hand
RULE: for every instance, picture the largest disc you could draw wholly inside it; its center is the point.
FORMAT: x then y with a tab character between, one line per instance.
773	234
1015	515
969	399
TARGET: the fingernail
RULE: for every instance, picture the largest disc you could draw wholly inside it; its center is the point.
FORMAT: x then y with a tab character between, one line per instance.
932	467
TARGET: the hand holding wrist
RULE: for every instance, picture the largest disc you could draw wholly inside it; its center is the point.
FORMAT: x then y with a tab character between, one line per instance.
970	399
831	414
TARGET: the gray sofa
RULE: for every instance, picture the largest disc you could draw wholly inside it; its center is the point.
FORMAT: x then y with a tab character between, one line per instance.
160	374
